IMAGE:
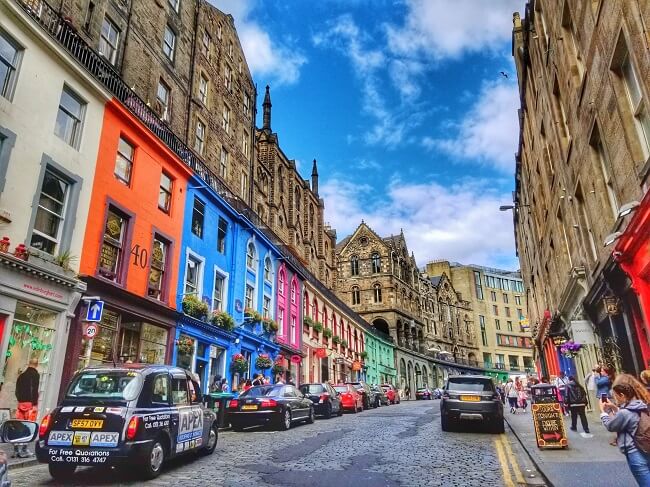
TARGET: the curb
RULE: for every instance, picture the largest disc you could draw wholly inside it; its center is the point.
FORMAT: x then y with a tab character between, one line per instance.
532	458
27	463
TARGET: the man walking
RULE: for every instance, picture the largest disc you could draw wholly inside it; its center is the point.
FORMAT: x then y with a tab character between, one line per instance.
575	399
590	383
560	383
27	397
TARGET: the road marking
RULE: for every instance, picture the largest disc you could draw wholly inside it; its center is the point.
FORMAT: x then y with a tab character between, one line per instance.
507	479
519	477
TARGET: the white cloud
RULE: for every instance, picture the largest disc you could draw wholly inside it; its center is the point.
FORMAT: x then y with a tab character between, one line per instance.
461	222
277	62
488	132
439	30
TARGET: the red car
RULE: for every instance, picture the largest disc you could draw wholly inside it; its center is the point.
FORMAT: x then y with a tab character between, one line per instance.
391	393
351	400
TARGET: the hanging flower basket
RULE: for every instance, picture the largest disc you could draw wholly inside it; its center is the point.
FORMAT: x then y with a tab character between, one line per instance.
185	345
327	333
194	307
318	327
336	339
344	343
263	362
363	355
239	363
308	322
223	320
570	349
252	315
269	325
21	252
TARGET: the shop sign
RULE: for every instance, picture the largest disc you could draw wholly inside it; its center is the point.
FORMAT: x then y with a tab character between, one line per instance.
321	352
611	304
583	332
356	365
239	307
339	360
296	359
90	331
559	340
549	426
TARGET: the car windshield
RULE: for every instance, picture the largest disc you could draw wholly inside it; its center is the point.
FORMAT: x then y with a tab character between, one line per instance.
469	385
312	389
340	388
112	385
262	391
385	388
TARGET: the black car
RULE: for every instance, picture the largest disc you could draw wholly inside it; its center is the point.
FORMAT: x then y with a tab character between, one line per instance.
380	396
423	393
279	405
326	400
471	398
130	414
369	399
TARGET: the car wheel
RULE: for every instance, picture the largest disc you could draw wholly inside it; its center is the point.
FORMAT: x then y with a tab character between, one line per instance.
311	418
328	411
61	472
445	424
340	409
285	420
211	444
377	403
497	426
153	460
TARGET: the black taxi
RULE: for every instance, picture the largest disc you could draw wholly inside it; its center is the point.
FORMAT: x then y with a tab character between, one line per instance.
133	414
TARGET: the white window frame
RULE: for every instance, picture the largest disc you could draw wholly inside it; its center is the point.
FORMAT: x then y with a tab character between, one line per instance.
103	40
223	162
218	271
252	257
203	89
79	121
268	278
189	254
165	104
199	137
61	218
166	46
225	119
175	4
248	286
9	83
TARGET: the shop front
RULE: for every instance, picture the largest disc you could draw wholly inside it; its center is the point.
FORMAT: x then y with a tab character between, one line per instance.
292	360
250	343
36	307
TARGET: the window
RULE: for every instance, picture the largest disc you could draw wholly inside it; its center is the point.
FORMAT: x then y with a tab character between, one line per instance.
635	98
158	267
199	137
227	77
356	295
223	166
484	339
377	293
495	310
218	292
245	144
50	214
109	40
193	276
507	311
179	392
560	114
585	225
266	307
222	232
294	290
230	50
163	96
505	300
198	213
376	263
169	42
602	161
247	105
497	324
112	251
160	392
354	265
518	300
250	256
174	4
10	55
225	122
205	44
477	285
281	283
493	296
124	161
520	313
165	193
250	292
292	337
70	117
244	184
203	89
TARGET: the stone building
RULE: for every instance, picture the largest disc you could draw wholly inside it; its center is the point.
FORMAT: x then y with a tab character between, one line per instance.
498	309
581	168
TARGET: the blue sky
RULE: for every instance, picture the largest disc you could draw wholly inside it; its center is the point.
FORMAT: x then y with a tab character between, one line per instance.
404	107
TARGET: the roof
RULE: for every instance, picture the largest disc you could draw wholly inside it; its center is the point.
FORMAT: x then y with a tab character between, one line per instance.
435	280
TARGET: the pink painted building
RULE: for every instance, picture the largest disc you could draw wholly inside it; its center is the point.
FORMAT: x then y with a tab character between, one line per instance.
289	318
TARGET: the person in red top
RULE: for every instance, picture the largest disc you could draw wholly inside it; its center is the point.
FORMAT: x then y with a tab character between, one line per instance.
247	385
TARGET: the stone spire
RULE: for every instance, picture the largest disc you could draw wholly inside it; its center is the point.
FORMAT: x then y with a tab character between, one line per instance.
266	125
314	178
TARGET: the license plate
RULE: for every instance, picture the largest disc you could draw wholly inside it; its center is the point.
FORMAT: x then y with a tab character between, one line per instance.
250	407
94	424
470	398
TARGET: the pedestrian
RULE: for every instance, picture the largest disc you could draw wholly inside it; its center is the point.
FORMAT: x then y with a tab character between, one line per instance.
259	380
267	380
604	384
590	383
625	420
291	382
511	394
560	383
27	397
407	393
278	379
645	379
216	384
224	385
247	385
576	401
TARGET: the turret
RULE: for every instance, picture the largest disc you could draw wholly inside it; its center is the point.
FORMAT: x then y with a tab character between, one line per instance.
314	178
266	121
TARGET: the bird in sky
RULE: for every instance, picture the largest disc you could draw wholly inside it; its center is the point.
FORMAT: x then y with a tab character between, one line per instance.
504	74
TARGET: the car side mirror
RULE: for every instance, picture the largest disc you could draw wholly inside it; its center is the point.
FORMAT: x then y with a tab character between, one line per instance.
16	431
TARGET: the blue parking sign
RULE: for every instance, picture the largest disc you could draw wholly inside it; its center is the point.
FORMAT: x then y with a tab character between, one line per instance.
94	311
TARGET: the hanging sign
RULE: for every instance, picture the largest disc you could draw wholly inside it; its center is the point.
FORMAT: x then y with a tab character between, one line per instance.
321	352
90	330
611	305
356	365
549	426
559	340
239	307
296	359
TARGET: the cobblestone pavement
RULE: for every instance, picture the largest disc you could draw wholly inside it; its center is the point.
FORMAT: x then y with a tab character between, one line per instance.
399	445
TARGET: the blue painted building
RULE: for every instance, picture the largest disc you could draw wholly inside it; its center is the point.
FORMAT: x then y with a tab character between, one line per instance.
229	265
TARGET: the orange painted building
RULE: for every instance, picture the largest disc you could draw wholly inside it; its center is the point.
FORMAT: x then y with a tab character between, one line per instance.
131	250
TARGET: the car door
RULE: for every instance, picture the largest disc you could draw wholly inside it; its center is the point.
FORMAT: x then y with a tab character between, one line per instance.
157	411
336	397
187	419
201	414
294	402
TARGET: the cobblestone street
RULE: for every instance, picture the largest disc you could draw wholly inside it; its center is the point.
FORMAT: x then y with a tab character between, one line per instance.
390	446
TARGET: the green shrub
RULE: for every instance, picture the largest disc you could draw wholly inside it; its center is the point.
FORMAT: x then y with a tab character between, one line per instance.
194	307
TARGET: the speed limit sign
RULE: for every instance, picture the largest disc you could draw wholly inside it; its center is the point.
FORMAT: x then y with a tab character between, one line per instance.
90	331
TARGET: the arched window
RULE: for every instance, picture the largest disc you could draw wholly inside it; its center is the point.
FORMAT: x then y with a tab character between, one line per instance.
354	265
294	291
356	295
267	269
305	302
377	289
376	263
250	256
314	310
281	281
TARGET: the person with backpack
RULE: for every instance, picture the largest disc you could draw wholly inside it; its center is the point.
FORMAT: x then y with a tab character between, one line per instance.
575	399
631	422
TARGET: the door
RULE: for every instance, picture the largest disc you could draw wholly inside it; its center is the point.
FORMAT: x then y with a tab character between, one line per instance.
296	402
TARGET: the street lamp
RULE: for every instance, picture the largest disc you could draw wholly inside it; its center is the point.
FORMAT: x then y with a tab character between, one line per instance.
628	208
611	238
512	207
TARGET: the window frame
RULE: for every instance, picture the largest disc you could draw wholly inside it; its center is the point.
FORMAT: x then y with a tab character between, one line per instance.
222	234
106	40
200	263
224	277
203	89
78	122
199	136
8	86
168	193
200	211
123	245
130	162
165	44
164	271
165	104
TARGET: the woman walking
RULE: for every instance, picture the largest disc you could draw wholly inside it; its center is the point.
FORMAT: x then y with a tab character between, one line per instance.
624	419
512	395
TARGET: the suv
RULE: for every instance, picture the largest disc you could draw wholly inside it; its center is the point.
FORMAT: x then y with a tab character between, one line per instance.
471	398
364	389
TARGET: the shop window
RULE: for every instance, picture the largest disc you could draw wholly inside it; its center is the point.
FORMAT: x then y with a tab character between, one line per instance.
142	342
222	233
99	350
51	212
198	212
165	193
160	391
124	161
180	396
113	245
158	267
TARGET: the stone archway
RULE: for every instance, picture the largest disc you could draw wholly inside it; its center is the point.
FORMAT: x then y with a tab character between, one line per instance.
402	374
381	325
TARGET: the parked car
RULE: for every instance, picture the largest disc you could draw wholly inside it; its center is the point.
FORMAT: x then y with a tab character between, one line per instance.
423	393
380	396
130	414
471	398
391	393
17	432
351	398
280	405
326	400
366	392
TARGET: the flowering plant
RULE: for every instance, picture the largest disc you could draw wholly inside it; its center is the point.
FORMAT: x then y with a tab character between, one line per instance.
185	345
222	320
570	348
263	362
239	363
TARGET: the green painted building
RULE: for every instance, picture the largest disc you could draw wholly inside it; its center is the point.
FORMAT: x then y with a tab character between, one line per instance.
379	364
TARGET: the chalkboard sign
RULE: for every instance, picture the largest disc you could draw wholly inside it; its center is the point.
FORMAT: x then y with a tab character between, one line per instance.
549	425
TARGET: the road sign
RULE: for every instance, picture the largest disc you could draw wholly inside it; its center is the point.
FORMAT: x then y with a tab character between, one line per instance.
94	310
90	331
